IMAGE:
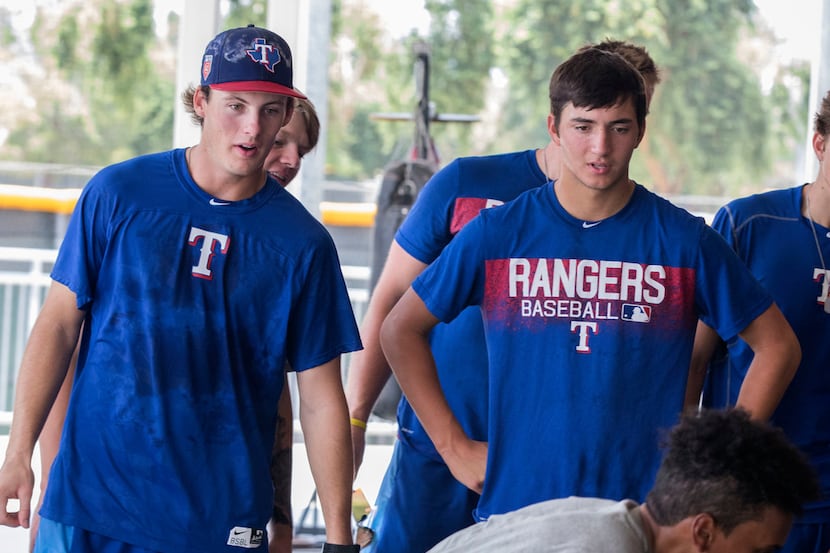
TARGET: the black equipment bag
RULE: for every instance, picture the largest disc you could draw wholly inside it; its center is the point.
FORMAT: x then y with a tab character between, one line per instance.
401	184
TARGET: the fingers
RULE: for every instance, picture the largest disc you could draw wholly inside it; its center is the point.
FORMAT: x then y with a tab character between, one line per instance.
16	513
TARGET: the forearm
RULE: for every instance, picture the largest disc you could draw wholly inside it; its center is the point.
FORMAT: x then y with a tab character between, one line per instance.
43	370
281	463
765	384
405	340
706	341
777	356
50	435
369	370
325	422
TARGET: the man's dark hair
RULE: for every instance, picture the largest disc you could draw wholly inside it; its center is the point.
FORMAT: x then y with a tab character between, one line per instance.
723	463
594	79
821	122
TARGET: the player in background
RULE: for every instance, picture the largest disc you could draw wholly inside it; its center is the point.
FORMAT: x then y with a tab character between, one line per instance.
784	238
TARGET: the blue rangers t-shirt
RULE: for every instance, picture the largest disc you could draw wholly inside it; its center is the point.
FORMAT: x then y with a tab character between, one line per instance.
589	329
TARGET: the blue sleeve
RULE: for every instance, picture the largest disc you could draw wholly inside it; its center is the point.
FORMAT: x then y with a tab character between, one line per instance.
724	224
455	280
426	230
322	324
84	243
728	296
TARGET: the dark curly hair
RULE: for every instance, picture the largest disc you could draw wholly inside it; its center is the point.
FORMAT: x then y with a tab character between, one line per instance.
723	463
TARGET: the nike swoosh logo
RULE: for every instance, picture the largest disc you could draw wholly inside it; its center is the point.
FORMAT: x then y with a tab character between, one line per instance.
586	224
214	201
237	532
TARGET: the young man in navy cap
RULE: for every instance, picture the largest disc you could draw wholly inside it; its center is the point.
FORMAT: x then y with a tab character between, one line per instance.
194	277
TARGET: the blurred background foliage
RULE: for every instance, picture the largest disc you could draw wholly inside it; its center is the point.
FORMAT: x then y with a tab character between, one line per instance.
100	91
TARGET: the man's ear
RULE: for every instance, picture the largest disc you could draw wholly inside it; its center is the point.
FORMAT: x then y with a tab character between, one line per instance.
703	532
199	102
819	145
554	134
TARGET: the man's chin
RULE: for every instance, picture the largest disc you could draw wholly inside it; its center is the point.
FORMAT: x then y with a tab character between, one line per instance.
278	179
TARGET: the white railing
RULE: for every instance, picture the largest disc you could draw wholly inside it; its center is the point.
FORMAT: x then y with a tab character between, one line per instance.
24	280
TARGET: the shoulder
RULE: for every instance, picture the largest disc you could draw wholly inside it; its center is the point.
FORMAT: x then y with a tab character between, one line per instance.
775	205
122	176
772	203
485	167
672	216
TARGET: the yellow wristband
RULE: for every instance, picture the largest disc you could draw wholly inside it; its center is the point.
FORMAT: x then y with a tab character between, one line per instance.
358	423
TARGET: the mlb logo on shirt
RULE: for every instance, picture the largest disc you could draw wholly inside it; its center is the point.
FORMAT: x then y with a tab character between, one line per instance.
249	538
636	313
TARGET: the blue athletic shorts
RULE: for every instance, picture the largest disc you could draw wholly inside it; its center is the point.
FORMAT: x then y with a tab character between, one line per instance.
419	504
54	537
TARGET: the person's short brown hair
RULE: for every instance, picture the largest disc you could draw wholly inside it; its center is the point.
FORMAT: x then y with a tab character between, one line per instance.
821	123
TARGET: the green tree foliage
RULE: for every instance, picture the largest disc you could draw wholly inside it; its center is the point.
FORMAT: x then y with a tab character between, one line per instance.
711	130
109	91
245	12
357	145
93	84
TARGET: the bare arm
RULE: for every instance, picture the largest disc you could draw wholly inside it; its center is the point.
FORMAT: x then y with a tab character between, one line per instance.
325	421
280	525
50	439
706	341
42	371
369	370
405	339
777	356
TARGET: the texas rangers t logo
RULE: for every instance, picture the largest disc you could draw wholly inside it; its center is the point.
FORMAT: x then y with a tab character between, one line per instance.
264	54
206	253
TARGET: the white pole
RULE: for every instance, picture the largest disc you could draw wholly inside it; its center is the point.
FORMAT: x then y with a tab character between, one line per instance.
199	24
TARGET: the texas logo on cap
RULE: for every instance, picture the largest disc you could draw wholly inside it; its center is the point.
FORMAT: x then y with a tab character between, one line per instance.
264	53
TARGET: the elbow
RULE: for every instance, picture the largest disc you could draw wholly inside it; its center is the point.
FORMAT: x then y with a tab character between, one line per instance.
388	336
793	354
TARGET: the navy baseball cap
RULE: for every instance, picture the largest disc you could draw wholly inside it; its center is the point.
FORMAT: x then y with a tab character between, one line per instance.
249	59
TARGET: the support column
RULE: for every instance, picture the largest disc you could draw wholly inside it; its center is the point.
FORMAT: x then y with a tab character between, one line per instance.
309	40
199	24
819	85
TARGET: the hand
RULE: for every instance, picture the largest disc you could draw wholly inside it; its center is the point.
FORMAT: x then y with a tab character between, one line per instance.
16	482
468	463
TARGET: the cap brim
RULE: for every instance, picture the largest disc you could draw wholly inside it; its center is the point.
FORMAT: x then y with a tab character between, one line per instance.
258	86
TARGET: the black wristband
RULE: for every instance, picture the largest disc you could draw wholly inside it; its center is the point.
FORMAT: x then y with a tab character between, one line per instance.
335	548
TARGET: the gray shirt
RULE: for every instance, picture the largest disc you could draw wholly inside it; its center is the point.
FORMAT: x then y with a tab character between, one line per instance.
572	525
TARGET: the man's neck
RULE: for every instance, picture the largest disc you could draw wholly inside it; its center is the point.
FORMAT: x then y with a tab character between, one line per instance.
222	186
816	195
589	204
666	539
